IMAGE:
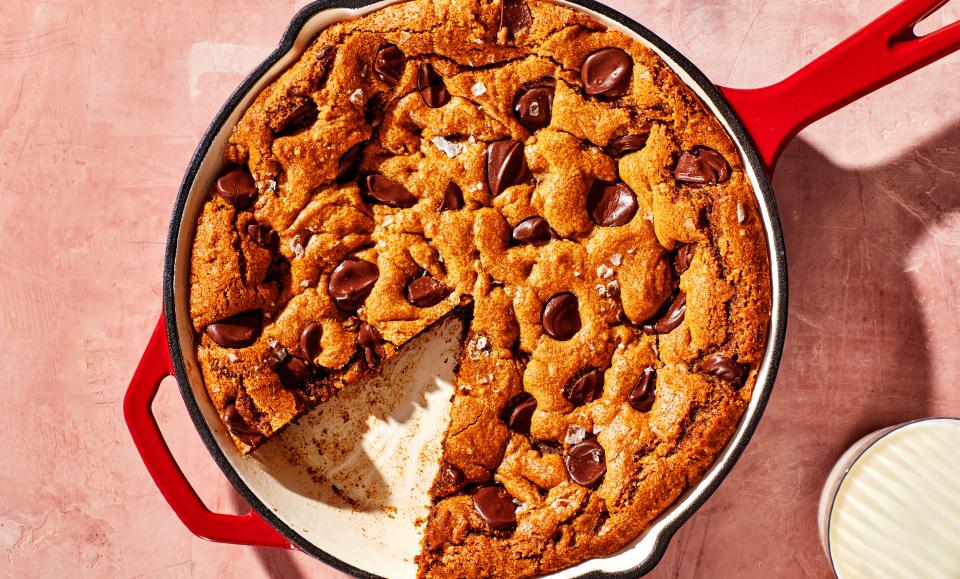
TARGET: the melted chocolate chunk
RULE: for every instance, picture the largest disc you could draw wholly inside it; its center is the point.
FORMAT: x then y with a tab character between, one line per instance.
452	198
620	146
684	257
238	426
515	16
236	331
388	64
347	166
294	373
606	73
351	282
561	316
386	191
671	319
301	119
495	506
425	291
371	343
701	166
506	165
532	231
263	235
310	346
642	396
432	89
724	368
584	388
451	475
519	413
534	107
586	463
611	204
237	187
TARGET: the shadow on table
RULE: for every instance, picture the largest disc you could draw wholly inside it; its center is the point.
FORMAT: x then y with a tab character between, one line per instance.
857	339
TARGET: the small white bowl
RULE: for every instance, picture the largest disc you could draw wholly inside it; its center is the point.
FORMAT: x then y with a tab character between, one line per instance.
891	505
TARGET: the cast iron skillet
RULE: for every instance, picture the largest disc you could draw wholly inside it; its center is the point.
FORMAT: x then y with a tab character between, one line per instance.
761	121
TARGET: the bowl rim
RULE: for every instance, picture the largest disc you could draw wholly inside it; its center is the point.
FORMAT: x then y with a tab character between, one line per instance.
776	254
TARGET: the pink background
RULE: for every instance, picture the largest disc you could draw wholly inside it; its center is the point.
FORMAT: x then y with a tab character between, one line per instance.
101	107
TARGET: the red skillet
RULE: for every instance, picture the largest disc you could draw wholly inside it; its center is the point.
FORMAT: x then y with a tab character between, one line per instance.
761	121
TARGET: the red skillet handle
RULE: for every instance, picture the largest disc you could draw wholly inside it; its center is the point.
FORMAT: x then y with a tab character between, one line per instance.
880	53
248	529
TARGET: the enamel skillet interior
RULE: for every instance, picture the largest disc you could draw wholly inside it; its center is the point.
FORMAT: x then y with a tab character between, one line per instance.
327	539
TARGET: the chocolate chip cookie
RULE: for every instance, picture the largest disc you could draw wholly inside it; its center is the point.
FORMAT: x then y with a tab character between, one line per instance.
556	184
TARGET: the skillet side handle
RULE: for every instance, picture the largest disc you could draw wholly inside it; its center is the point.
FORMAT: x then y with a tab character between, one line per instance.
247	529
878	54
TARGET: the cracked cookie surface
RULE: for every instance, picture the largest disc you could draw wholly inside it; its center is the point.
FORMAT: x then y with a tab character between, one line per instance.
551	180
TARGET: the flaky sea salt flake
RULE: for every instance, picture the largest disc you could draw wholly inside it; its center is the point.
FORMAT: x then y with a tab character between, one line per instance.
356	97
449	147
741	213
616	258
575	434
478	89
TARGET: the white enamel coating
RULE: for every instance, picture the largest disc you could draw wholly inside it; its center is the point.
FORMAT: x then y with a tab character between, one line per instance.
890	507
381	454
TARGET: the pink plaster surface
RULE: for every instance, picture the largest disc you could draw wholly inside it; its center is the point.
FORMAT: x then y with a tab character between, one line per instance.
101	107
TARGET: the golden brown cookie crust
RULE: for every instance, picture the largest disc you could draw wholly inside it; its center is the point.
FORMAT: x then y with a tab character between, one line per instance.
297	139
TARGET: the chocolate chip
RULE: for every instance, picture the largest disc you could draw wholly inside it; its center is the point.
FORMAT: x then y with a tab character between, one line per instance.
293	373
496	506
238	426
388	192
452	198
533	231
432	89
723	368
515	16
302	118
584	388
236	331
671	319
263	235
506	165
351	282
561	316
237	187
611	204
533	107
450	474
347	166
642	396
310	345
425	291
620	146
684	257
701	166
606	73
518	415
371	342
319	71
586	463
388	64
